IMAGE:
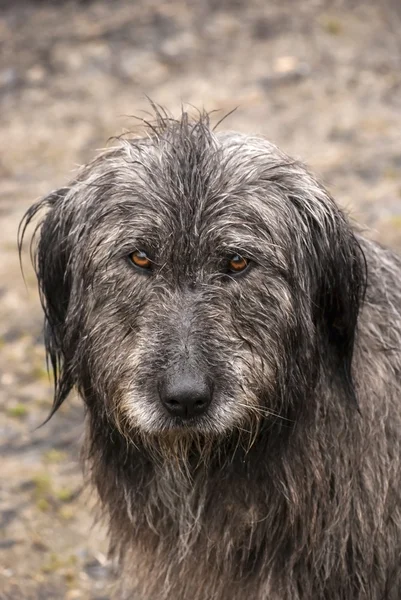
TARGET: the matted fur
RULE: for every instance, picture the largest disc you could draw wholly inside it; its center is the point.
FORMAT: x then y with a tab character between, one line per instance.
289	487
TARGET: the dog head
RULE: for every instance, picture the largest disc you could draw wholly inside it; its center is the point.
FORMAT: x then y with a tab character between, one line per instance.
197	281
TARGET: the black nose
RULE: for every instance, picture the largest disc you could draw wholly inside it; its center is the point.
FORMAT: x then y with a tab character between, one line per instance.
185	395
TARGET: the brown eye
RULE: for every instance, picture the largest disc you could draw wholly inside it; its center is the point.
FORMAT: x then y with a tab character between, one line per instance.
141	259
237	264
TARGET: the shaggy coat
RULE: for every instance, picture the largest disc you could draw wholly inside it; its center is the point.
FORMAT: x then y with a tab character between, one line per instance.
288	486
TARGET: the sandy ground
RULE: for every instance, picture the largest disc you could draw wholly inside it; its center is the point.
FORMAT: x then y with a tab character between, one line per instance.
321	79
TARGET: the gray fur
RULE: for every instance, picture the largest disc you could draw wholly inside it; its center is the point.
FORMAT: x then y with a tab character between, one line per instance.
289	487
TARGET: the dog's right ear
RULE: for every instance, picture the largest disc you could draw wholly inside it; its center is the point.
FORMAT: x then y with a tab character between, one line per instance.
50	253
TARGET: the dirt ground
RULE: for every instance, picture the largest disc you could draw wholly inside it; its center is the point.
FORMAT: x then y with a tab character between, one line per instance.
321	79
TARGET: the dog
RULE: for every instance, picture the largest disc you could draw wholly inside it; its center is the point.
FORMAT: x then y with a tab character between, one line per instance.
237	345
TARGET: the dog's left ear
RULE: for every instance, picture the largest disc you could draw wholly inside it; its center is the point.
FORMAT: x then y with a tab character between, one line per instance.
51	259
338	281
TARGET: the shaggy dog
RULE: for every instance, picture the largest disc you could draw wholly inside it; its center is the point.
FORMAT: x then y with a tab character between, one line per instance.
237	348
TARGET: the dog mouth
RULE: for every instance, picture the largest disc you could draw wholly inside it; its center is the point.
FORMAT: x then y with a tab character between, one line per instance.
162	423
180	424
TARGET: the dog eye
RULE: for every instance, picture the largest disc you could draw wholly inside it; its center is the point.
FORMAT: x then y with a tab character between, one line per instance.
237	264
140	259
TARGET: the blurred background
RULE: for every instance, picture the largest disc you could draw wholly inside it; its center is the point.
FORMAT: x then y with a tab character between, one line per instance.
321	79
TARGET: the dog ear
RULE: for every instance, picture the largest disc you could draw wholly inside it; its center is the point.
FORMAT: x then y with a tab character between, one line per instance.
338	281
50	254
339	297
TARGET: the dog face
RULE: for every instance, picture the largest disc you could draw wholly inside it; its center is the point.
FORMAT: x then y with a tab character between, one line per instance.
197	282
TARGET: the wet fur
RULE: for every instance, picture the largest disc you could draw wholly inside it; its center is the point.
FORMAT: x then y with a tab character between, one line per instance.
290	488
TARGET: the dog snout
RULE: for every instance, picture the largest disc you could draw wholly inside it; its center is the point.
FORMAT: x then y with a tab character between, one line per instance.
185	395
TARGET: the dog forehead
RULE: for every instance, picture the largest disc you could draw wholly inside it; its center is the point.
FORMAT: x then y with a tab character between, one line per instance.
192	181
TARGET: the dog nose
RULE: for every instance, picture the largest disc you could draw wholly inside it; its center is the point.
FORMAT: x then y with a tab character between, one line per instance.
185	395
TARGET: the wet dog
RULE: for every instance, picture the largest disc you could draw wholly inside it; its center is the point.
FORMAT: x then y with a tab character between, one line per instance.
237	347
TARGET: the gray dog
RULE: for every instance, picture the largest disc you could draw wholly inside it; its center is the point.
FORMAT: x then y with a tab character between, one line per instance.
238	350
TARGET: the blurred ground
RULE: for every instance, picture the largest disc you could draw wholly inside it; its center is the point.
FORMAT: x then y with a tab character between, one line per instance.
321	79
